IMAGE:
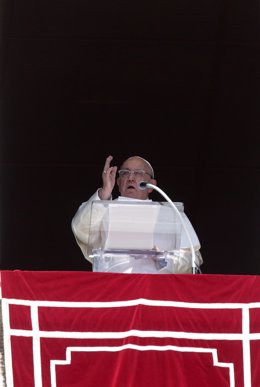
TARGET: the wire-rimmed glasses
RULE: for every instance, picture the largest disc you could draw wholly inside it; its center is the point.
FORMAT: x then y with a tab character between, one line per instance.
139	173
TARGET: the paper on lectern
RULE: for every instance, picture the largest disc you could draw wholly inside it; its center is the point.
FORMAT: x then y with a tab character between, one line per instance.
130	226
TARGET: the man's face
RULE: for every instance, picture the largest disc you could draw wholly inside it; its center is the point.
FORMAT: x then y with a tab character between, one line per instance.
134	171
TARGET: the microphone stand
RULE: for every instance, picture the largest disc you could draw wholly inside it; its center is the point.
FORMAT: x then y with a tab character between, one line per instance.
144	185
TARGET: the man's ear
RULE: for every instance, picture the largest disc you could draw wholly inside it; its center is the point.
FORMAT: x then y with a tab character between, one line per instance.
154	182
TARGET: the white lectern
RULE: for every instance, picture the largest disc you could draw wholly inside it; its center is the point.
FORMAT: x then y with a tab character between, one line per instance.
134	236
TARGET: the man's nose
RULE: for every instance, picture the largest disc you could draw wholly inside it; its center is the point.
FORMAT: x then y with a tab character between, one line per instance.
131	175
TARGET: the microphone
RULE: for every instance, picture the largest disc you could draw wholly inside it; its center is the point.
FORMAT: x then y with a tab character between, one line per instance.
142	185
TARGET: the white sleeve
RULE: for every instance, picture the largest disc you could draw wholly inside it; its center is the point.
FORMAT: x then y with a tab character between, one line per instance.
184	239
184	261
80	225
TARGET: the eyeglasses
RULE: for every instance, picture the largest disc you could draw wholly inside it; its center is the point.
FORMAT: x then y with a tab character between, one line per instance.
136	172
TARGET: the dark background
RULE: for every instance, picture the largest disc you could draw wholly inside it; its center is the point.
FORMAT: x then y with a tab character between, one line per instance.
175	81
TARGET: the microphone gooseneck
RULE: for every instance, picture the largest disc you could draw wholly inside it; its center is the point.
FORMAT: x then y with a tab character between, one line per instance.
144	185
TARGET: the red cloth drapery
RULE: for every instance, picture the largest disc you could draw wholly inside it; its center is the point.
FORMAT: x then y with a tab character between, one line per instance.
78	329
